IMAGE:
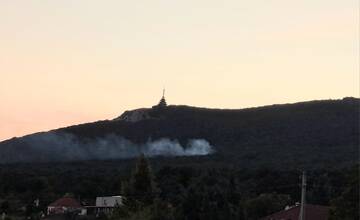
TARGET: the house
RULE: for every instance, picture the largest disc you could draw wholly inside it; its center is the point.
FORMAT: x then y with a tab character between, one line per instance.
110	201
64	205
105	205
312	212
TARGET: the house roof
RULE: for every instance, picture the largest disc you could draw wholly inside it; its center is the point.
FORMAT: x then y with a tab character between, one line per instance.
312	212
66	202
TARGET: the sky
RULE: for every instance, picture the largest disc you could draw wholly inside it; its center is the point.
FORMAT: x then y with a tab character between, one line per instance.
69	62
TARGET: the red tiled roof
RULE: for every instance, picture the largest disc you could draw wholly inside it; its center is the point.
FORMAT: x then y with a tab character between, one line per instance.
66	202
312	212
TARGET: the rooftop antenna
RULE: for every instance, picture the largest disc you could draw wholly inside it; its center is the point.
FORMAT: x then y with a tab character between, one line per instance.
164	92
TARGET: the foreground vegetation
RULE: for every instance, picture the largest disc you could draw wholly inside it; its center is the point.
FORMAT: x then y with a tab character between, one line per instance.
177	192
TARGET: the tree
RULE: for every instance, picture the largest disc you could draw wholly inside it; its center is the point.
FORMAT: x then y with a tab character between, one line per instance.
140	192
5	207
346	206
161	210
141	186
265	204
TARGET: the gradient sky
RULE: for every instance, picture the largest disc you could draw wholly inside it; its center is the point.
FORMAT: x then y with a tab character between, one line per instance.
67	62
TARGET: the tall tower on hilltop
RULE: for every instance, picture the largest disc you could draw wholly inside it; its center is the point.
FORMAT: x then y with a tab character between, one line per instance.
162	103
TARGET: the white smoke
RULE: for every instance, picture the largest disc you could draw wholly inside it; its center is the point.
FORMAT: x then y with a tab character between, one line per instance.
51	146
173	148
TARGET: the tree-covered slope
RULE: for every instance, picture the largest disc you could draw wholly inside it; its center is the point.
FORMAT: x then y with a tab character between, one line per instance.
315	133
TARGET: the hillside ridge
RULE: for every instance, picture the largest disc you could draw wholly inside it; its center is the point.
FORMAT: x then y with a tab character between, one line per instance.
321	133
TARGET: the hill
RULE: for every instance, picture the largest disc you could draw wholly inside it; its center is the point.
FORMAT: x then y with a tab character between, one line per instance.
313	134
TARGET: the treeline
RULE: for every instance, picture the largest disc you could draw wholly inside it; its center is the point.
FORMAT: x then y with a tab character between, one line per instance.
177	192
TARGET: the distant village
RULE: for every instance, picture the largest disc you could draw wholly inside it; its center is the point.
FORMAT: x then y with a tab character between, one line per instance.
68	204
105	206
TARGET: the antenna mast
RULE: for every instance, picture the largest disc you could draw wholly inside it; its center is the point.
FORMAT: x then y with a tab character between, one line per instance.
303	197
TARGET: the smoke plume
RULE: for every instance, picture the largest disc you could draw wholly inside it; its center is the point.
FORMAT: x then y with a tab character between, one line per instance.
51	146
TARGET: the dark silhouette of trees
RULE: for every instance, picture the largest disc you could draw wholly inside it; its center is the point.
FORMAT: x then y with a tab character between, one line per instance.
176	192
141	186
346	206
265	204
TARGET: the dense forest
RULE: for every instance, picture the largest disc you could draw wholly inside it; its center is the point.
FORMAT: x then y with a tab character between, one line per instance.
176	192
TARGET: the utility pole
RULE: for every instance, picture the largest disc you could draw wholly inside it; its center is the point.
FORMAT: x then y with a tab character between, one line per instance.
303	197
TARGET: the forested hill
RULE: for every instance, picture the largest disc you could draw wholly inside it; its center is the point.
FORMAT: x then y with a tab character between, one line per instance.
316	133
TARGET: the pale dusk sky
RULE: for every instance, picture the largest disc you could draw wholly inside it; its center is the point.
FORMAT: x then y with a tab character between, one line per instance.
67	62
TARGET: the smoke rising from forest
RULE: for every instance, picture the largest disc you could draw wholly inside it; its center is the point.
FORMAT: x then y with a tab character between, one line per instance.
52	146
